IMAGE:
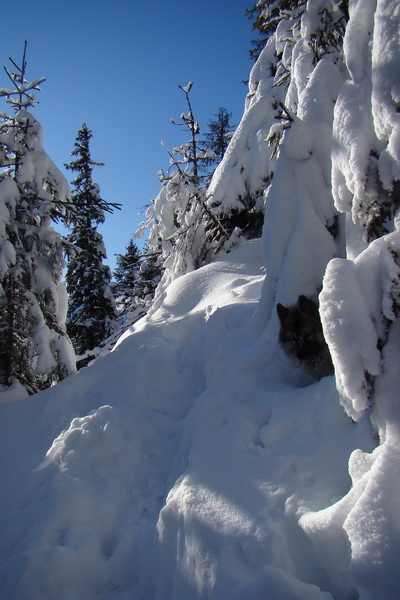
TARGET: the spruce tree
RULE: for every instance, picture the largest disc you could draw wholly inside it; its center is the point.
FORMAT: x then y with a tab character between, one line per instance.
219	135
34	349
266	15
148	278
91	311
126	276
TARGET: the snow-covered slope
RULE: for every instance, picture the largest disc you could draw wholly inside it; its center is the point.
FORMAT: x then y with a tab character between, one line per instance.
196	461
178	466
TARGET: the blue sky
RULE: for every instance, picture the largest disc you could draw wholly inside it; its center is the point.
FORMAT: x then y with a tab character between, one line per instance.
117	66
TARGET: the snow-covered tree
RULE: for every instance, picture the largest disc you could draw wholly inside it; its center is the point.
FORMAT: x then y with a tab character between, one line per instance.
149	277
179	217
266	16
332	222
366	188
126	276
306	220
219	134
238	190
299	500
335	189
34	349
91	308
283	144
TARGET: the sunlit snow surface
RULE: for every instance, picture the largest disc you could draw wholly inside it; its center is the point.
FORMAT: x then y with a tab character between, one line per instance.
179	465
196	461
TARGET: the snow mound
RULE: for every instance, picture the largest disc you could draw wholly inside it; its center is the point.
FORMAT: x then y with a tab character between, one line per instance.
177	466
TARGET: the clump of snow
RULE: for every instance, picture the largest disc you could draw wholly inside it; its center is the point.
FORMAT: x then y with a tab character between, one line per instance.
299	208
348	324
367	122
356	306
37	168
359	306
247	162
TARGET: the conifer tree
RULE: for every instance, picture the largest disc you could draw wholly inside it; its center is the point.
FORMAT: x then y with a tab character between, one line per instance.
34	349
180	217
126	276
266	15
91	312
219	135
272	103
148	277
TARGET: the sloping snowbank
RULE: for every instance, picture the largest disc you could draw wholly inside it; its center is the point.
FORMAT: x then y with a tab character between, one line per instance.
178	465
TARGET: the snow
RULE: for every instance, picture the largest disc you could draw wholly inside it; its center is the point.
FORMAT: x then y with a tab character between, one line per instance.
177	465
38	167
197	460
247	163
8	196
31	260
386	89
366	129
356	304
299	208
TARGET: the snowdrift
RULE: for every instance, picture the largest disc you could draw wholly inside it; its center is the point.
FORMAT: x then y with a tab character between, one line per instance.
188	463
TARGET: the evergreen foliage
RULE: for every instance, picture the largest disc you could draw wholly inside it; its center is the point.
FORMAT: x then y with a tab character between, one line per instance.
149	276
362	185
180	218
219	135
301	501
34	348
238	191
126	276
266	15
91	311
